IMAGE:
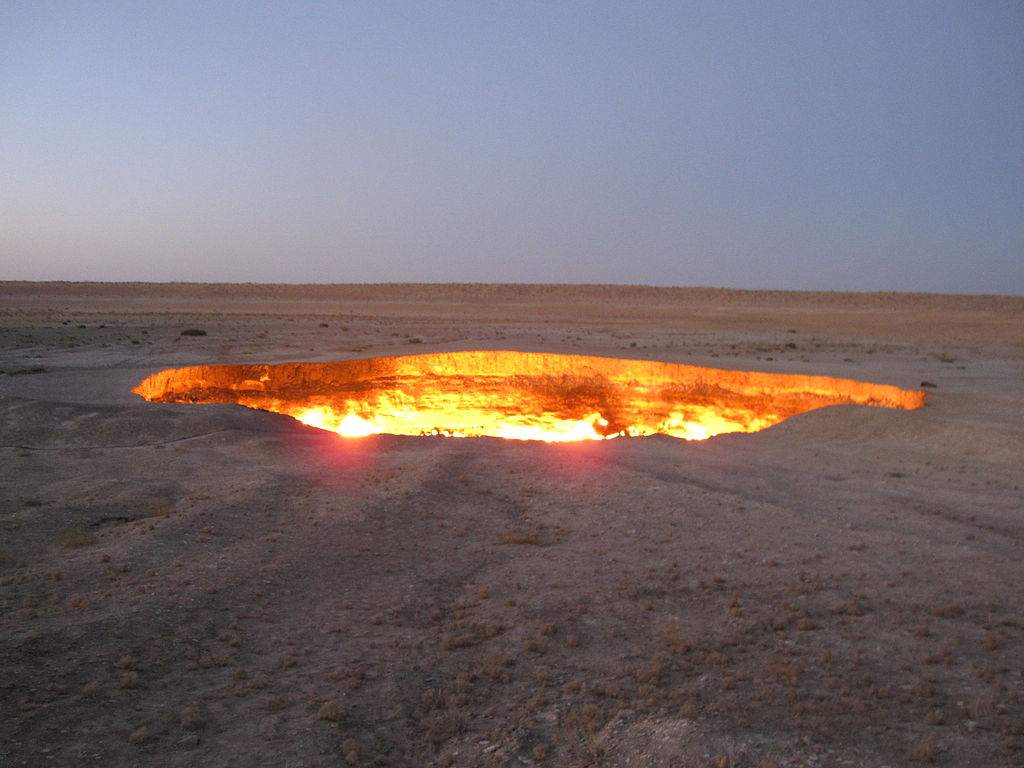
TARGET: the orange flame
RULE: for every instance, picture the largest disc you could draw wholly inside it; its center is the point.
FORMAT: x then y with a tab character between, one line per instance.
518	395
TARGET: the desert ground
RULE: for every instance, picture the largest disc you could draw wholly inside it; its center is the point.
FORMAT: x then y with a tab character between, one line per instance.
209	585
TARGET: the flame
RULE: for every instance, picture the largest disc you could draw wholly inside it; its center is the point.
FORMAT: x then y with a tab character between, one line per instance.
551	430
518	395
347	425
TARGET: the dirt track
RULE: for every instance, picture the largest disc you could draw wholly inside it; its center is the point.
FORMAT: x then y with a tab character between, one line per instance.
210	585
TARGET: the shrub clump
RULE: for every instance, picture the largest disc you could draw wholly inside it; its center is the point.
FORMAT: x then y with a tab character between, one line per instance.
193	332
76	536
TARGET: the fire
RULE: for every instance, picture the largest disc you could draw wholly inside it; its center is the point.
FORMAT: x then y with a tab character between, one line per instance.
412	423
348	425
518	395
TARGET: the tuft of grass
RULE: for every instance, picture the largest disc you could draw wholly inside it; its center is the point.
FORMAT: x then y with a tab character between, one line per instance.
76	536
193	332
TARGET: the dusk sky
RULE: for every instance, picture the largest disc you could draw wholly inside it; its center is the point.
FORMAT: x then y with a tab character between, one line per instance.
784	145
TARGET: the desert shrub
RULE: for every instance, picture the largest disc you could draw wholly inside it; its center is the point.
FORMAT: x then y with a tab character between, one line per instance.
522	536
76	536
923	752
193	332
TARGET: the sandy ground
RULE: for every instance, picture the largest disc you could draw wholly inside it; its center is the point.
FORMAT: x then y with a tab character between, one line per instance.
210	585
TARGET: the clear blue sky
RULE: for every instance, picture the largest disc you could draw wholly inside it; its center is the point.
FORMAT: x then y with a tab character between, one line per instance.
805	145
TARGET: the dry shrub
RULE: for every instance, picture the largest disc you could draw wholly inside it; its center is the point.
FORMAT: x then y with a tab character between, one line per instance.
485	631
76	536
496	667
992	641
651	673
672	639
806	624
533	645
585	719
130	680
450	642
923	752
350	750
191	718
330	711
609	689
522	536
786	670
439	725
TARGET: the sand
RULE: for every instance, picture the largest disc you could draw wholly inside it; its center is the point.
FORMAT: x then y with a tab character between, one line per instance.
211	585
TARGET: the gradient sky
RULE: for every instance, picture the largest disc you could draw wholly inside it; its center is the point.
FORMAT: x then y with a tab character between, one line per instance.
792	145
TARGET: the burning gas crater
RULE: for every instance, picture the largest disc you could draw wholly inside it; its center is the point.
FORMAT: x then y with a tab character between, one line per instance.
518	395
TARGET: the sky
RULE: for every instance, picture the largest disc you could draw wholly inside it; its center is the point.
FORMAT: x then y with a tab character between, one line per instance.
814	145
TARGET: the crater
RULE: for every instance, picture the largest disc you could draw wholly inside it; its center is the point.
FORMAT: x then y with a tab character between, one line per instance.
518	395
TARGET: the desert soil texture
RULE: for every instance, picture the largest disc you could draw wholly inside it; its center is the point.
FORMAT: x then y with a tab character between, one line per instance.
186	585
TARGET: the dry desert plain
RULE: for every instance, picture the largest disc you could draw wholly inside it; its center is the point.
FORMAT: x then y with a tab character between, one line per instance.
186	585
